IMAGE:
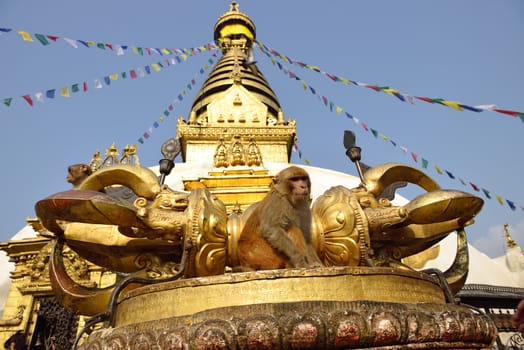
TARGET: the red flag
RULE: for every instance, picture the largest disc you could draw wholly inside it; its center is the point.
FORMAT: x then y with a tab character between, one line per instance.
505	111
425	99
28	99
85	86
133	74
110	46
475	187
364	125
414	156
52	37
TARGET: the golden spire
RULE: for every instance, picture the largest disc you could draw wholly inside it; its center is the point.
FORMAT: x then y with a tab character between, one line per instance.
235	101
509	241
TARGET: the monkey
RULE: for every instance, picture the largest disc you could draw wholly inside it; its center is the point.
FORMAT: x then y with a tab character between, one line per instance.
77	173
277	233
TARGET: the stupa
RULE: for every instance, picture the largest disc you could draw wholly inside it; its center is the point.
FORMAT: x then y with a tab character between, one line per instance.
173	238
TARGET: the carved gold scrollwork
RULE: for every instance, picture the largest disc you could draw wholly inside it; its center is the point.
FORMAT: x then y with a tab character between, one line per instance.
207	229
340	227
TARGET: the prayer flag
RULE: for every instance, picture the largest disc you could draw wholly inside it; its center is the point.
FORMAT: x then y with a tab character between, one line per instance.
5	30
499	199
26	36
132	73
511	204
486	193
39	96
65	91
85	43
475	187
85	86
74	88
101	46
71	42
98	84
156	67
453	104
7	101
424	163
437	168
374	132
450	174
50	93
42	39
107	80
415	157
365	126
113	76
53	37
338	110
28	99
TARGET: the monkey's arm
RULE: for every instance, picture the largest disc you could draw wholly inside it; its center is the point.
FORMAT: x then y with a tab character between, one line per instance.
275	233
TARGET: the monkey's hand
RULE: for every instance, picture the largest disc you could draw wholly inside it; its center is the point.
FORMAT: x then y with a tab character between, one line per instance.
312	258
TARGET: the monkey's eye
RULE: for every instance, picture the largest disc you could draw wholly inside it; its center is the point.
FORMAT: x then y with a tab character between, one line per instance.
298	178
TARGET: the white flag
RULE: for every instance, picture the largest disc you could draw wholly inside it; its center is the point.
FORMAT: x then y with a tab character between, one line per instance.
71	42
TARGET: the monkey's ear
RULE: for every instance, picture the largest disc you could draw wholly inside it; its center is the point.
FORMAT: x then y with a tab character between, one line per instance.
275	180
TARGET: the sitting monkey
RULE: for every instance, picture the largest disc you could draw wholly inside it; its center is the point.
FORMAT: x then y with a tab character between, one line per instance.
77	173
277	233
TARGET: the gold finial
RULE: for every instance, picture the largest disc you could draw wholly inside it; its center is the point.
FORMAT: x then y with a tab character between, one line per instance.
509	241
233	6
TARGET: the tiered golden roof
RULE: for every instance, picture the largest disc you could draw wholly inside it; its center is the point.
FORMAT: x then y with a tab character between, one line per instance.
236	102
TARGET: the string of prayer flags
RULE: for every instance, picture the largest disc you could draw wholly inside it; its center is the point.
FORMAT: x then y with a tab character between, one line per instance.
47	39
65	91
326	102
170	108
456	105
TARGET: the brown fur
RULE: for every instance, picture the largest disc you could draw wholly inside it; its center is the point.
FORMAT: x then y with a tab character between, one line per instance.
277	233
77	173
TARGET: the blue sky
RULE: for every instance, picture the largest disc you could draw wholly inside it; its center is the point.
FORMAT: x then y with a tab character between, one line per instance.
469	51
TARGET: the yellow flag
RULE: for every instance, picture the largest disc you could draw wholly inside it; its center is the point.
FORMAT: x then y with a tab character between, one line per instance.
166	51
338	110
437	168
344	80
65	91
499	199
156	67
113	76
184	57
304	85
90	42
453	104
384	137
391	91
284	58
161	118
25	35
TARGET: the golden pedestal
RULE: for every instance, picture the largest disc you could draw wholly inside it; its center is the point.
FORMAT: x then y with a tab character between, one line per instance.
326	308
